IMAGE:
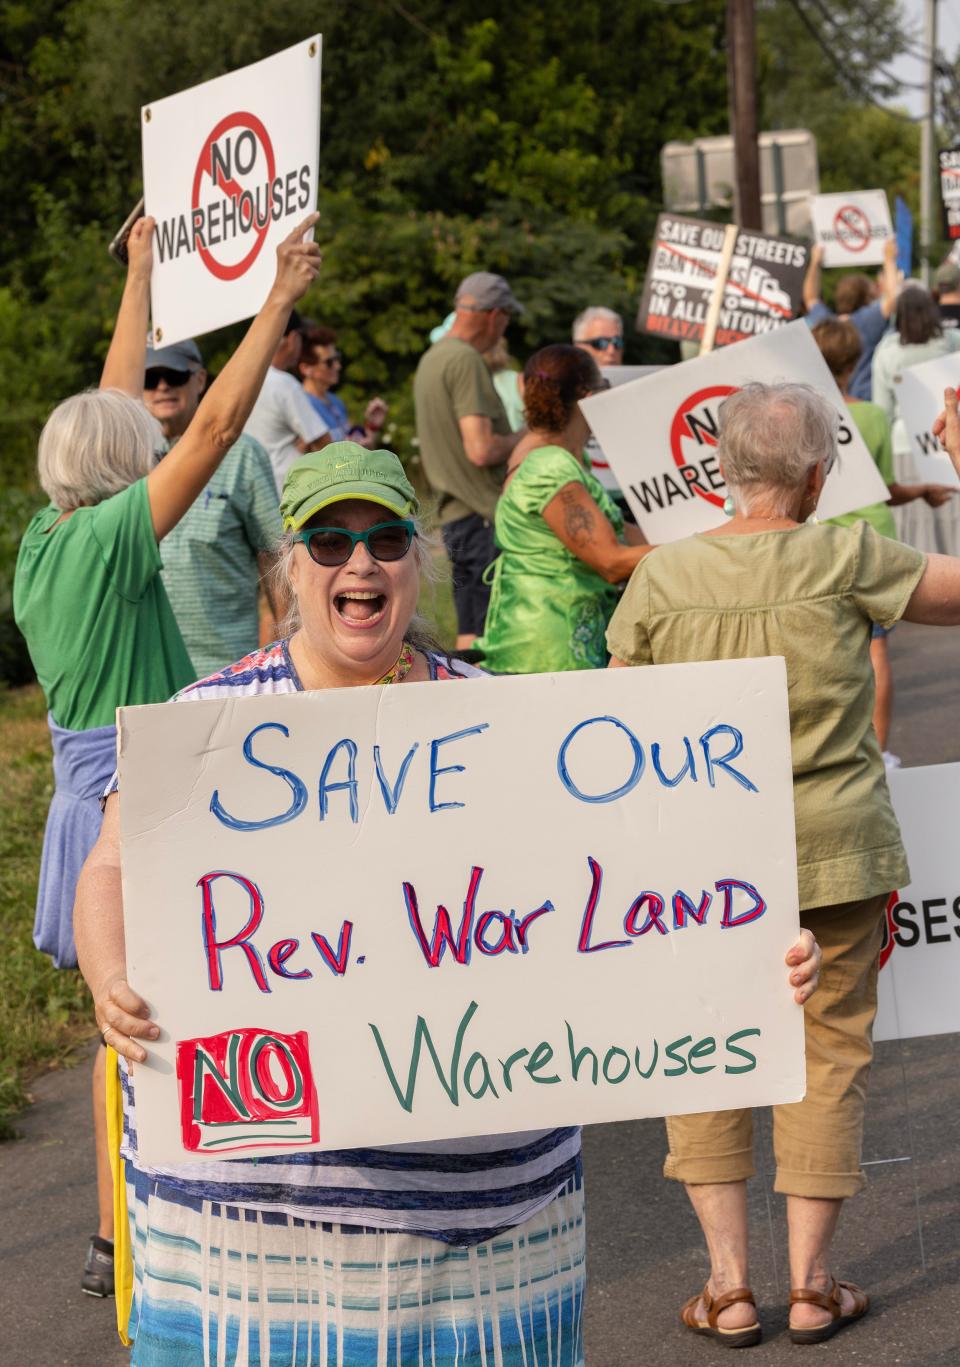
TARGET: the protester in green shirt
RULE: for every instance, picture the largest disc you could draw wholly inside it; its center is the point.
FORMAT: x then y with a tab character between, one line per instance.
841	346
218	553
89	599
768	582
465	438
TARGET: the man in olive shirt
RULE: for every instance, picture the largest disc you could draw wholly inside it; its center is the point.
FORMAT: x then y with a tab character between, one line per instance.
465	438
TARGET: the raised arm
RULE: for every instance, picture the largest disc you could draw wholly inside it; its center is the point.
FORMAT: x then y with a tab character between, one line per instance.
811	281
889	278
122	1016
123	368
573	516
218	422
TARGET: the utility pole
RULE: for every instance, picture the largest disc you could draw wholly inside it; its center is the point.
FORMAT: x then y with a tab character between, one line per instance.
928	144
742	96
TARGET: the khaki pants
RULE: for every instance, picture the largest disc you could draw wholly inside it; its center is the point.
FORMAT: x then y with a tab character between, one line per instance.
816	1141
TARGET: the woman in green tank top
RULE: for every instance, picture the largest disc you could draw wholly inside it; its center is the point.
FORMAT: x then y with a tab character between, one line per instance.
562	539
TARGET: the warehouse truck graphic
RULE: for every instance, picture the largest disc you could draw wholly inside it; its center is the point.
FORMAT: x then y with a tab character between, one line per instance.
748	286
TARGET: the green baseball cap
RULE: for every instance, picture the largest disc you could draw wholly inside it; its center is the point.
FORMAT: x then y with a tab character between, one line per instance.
344	470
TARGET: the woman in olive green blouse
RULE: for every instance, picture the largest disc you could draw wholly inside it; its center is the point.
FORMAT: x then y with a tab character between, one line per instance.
770	583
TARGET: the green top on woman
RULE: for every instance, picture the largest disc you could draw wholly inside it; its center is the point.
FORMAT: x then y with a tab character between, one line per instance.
809	595
548	610
88	597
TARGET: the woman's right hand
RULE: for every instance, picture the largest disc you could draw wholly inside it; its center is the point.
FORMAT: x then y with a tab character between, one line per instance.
298	264
123	1018
140	249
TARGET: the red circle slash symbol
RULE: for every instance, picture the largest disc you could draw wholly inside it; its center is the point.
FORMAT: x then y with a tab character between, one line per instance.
852	228
696	420
245	200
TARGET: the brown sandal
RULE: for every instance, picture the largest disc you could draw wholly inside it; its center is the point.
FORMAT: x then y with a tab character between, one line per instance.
730	1338
831	1301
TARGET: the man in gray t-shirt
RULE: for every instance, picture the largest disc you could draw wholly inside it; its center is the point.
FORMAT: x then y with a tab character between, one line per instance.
465	438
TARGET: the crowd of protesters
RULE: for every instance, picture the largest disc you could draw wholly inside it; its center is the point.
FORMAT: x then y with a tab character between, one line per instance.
246	538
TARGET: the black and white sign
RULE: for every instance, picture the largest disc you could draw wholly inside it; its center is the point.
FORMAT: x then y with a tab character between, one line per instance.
950	191
763	289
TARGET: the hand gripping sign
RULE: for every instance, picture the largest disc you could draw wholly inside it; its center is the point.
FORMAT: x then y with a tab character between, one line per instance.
228	168
660	434
852	227
383	915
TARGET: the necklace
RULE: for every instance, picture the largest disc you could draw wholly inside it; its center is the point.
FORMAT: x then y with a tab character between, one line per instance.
402	667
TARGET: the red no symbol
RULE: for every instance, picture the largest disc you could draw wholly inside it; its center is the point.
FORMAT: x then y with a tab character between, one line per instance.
220	167
852	228
699	427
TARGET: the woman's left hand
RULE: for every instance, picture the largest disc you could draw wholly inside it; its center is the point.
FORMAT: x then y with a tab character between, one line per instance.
803	960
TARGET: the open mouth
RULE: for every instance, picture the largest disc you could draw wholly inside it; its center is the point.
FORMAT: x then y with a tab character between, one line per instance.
359	607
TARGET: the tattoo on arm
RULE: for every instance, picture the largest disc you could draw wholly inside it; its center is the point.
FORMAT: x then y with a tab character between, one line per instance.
577	520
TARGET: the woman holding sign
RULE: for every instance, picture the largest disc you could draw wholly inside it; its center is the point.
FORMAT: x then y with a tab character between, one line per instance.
562	539
468	1251
89	599
771	583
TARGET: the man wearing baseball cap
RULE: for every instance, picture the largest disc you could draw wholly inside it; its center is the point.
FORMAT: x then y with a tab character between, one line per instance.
214	557
465	438
947	286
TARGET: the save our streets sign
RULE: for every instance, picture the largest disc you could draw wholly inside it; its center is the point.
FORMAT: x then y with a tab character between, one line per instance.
852	227
381	915
950	191
763	289
659	434
229	168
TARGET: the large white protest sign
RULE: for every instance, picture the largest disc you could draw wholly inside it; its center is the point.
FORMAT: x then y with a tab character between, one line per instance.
852	227
615	374
762	289
919	991
379	915
660	433
229	169
921	401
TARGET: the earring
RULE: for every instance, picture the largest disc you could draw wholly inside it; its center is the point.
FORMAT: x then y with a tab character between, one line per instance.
729	507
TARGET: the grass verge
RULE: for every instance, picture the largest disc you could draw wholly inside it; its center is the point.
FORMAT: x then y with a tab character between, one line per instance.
43	1010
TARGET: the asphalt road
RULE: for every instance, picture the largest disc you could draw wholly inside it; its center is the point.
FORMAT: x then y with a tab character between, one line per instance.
900	1239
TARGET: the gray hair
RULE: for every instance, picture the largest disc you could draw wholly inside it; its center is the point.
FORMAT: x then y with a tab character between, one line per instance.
426	548
93	445
771	436
588	316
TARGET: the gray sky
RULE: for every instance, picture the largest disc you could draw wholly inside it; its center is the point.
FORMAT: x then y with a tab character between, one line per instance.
909	68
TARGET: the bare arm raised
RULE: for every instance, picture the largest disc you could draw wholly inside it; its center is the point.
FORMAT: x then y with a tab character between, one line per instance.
123	368
173	485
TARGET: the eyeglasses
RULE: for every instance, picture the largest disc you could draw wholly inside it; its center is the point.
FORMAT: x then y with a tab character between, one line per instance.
174	379
332	546
601	343
335	359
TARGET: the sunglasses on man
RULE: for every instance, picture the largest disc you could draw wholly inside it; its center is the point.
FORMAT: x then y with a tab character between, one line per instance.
173	379
333	546
601	343
335	359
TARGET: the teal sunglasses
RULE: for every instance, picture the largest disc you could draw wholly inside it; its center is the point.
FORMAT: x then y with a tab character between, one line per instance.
332	546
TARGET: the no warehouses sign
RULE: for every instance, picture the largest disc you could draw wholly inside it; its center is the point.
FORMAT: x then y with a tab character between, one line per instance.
763	288
852	227
229	167
950	191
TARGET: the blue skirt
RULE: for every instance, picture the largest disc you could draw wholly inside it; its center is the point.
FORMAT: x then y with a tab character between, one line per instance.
83	763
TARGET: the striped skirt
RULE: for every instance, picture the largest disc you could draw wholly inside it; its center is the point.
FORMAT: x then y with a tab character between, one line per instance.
226	1286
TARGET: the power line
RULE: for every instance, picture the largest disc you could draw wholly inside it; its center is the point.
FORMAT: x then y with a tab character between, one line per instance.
852	86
